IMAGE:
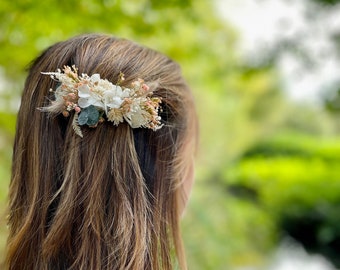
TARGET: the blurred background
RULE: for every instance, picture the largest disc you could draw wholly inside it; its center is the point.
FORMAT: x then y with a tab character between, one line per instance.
266	78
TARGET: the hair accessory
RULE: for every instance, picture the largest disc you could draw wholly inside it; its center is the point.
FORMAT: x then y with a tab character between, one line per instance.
94	99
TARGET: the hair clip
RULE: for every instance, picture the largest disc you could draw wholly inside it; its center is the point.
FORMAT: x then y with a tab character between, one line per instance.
95	100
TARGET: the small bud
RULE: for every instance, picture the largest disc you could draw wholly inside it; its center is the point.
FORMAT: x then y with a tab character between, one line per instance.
77	109
72	95
66	114
145	87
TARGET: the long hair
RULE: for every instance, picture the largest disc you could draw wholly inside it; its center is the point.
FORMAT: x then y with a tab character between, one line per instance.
109	200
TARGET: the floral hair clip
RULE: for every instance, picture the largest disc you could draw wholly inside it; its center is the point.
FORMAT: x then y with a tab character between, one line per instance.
94	99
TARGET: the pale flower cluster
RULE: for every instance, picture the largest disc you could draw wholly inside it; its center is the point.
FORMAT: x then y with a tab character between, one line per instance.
95	100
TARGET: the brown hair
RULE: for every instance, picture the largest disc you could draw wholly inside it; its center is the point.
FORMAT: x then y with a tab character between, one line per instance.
110	200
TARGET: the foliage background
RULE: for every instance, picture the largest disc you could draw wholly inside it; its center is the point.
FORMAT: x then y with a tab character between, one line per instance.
267	167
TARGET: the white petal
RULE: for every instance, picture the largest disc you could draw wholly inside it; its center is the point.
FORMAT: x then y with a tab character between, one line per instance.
99	104
137	119
126	93
108	95
118	91
84	91
95	77
83	102
114	102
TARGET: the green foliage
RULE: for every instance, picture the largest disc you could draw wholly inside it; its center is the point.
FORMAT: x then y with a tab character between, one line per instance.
223	232
295	180
7	125
89	116
286	173
333	104
327	2
29	26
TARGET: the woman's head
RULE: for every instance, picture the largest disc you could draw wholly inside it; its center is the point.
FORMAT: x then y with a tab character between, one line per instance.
112	199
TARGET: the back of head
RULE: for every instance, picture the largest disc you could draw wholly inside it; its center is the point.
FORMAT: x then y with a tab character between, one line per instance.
109	200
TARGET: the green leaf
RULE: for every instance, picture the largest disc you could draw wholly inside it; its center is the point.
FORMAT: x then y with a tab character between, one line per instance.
83	117
93	115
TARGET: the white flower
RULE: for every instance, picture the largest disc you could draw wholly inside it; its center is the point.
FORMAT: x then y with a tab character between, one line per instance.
88	97
136	116
137	119
112	101
114	98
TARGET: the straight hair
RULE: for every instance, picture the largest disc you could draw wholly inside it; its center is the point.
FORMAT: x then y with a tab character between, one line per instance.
109	200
